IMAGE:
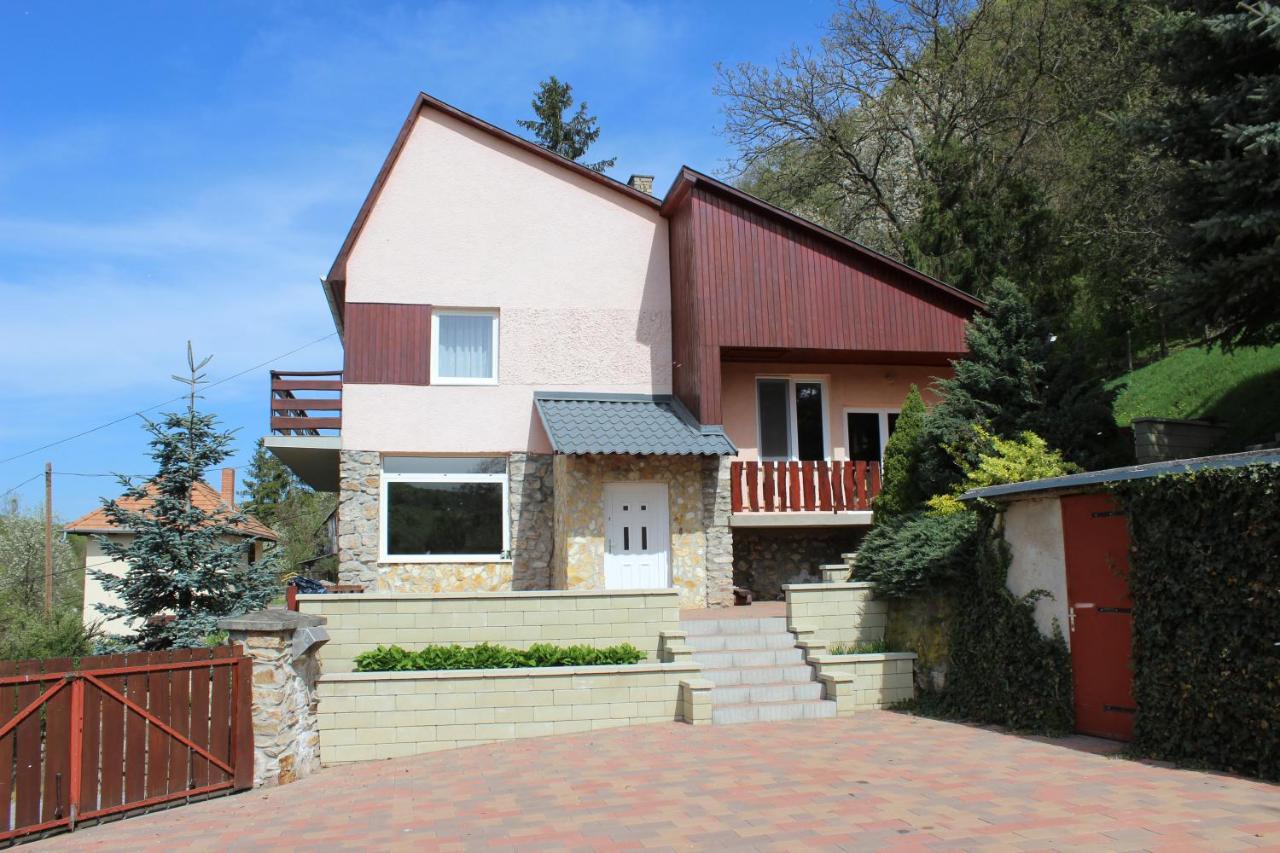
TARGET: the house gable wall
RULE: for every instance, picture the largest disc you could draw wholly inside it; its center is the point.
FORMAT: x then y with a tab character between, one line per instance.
577	271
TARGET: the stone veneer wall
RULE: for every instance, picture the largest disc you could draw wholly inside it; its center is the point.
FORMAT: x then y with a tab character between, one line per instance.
717	506
767	559
371	715
360	475
697	558
361	622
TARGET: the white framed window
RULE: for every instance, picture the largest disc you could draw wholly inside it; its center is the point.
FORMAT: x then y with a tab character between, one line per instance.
791	418
444	509
464	346
867	431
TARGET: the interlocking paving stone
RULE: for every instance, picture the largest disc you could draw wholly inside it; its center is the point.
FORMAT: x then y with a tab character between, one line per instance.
877	781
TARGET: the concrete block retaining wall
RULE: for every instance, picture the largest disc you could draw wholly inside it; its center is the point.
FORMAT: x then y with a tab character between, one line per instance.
362	622
875	680
369	715
836	612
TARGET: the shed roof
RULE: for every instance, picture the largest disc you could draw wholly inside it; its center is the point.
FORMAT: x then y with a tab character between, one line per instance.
634	424
1091	480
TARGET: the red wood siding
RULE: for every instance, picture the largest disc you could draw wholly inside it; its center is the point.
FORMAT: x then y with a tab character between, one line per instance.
744	279
387	343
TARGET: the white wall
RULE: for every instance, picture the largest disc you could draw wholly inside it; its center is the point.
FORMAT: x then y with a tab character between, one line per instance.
1033	529
94	594
579	273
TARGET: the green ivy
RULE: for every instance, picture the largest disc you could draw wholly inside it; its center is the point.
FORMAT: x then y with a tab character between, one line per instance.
1205	582
490	656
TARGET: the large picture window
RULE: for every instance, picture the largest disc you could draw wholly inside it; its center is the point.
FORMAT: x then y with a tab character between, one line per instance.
791	416
444	509
464	347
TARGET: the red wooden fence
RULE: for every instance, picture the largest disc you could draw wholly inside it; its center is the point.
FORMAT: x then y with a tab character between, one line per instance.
803	486
120	732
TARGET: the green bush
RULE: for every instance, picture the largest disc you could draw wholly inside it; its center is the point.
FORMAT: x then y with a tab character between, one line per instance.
910	554
866	647
900	491
1205	582
490	656
26	632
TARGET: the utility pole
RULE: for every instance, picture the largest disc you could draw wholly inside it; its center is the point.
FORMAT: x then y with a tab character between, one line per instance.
48	538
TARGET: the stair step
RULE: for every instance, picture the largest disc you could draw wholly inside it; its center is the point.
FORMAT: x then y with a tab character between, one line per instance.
703	627
719	642
734	675
748	657
770	711
782	691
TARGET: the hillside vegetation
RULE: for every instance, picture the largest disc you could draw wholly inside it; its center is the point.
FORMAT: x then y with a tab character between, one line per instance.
1242	389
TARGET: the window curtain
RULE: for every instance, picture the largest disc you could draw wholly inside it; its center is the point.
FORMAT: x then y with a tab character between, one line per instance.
466	346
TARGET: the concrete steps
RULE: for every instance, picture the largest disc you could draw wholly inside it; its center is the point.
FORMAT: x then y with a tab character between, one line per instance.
759	673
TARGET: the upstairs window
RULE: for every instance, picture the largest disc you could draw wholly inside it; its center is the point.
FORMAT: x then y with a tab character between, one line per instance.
464	347
868	432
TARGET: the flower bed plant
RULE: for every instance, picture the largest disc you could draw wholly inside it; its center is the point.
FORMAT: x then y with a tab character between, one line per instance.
867	647
491	656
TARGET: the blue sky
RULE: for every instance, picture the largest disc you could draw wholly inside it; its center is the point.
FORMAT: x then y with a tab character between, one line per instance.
174	171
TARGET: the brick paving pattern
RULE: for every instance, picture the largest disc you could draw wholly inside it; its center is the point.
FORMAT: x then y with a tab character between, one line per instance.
877	781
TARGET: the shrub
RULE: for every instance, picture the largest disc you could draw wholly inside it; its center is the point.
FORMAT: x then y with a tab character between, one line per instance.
26	632
490	656
900	492
910	554
1000	461
1205	584
866	647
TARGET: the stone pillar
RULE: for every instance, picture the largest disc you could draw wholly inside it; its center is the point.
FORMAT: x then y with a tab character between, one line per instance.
532	492
283	645
716	511
359	476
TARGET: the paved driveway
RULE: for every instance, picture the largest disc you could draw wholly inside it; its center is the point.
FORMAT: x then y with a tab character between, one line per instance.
881	780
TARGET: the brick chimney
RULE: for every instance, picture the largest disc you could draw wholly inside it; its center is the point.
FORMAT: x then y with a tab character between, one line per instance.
643	183
229	486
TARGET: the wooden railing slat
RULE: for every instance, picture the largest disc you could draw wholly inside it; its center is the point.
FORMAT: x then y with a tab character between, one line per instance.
753	483
735	486
768	487
824	487
793	486
806	469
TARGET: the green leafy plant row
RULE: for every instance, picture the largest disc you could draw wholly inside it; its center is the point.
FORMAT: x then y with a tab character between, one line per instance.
1204	577
490	656
868	647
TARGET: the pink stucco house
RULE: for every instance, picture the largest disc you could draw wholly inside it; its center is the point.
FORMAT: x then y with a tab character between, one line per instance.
553	380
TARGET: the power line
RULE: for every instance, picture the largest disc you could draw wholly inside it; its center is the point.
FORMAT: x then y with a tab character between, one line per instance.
164	403
20	485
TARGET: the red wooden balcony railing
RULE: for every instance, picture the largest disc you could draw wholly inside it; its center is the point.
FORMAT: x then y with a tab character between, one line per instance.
803	486
309	414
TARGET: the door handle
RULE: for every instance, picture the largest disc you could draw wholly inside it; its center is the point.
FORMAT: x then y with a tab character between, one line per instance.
1071	619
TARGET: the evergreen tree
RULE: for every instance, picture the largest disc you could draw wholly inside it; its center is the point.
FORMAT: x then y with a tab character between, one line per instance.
267	484
900	491
1220	129
569	138
181	560
1012	381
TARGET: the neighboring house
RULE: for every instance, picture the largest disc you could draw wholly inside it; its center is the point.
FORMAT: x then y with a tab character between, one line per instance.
554	380
256	535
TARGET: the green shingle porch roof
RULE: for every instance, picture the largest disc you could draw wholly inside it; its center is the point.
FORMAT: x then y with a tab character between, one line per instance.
632	424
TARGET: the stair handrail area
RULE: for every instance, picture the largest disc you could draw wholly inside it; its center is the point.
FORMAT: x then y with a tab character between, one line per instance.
809	486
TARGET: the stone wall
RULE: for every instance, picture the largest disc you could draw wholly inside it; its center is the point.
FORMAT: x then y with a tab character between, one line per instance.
360	475
716	509
836	612
580	518
767	559
875	680
371	715
286	740
360	623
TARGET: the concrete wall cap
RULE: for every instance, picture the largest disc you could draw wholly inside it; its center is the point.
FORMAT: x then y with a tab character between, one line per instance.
272	619
820	587
698	683
516	672
865	657
485	596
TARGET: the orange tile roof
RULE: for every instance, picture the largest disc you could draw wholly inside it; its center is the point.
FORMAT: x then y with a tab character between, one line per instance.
203	496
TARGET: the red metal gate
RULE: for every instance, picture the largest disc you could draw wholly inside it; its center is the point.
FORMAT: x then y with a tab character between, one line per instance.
120	732
1096	546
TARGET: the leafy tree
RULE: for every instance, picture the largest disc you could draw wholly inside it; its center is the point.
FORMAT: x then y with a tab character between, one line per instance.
22	563
1220	129
182	561
267	484
569	138
1001	461
900	491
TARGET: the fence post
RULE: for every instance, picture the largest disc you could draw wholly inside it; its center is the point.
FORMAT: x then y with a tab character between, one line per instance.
280	740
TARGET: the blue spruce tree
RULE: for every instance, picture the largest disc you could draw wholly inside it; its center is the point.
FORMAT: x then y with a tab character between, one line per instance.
183	561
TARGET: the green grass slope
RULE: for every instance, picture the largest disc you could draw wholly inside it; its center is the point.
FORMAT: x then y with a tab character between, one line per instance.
1241	389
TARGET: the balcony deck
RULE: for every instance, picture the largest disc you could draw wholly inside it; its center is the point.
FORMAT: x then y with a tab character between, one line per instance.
306	430
802	494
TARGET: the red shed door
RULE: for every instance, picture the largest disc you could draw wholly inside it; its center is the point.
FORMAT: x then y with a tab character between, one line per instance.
1096	544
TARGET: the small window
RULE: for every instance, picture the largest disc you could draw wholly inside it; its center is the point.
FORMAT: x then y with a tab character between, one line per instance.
864	436
437	509
464	347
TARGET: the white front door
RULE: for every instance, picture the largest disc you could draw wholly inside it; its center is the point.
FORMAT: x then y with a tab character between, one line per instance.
637	542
